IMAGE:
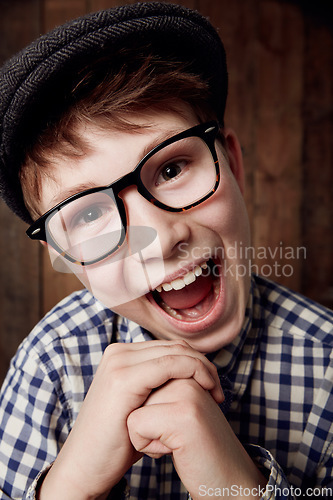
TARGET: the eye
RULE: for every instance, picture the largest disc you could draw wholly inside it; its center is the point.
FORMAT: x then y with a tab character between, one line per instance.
89	215
170	171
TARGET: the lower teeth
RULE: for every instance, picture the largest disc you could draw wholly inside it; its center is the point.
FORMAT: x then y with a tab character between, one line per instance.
170	311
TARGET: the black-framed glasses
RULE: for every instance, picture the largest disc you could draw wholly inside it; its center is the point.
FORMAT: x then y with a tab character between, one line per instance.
177	175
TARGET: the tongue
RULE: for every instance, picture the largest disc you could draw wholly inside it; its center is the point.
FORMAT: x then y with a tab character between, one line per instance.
189	296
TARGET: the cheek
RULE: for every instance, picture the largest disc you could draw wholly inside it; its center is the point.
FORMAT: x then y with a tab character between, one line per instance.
122	281
225	213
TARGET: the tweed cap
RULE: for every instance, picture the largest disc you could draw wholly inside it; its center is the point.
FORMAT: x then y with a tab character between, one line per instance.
34	82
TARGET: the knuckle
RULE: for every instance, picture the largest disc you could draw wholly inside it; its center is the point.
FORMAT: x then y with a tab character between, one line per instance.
108	357
214	369
180	347
111	362
199	364
132	419
167	362
111	350
181	360
178	342
188	387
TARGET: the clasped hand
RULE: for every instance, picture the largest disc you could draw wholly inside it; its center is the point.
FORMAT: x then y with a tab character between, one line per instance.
154	398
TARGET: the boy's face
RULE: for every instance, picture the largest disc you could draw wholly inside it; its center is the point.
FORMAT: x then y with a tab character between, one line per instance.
208	312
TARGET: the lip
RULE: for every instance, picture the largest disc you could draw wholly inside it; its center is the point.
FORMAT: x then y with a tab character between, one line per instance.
196	326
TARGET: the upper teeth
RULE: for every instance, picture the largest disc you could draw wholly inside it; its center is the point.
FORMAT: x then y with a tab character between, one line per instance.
180	283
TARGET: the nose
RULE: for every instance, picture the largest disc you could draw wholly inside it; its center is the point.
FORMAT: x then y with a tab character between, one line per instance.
172	228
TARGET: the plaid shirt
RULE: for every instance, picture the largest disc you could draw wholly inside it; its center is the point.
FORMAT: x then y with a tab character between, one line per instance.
280	369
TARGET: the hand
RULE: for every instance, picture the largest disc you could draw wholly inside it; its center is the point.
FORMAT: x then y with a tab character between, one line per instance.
181	418
98	450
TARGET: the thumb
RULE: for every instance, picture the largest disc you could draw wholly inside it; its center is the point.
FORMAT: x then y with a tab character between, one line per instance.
146	428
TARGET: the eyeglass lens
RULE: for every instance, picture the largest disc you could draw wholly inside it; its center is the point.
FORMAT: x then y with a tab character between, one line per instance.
178	175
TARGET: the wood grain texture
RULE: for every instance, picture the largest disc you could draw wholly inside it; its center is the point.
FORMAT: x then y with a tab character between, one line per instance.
20	289
278	138
317	215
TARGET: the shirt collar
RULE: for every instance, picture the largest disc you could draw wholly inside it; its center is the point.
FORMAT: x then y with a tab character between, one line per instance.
128	331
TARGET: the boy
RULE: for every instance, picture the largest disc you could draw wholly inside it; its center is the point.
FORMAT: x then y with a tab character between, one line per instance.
113	148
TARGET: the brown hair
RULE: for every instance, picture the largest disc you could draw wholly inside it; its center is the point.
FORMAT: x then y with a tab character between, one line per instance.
105	95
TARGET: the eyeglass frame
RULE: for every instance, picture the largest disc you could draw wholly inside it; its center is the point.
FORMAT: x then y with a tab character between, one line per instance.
207	131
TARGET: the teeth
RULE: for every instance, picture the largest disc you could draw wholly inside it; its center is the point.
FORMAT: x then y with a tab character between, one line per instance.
189	278
171	311
198	271
180	283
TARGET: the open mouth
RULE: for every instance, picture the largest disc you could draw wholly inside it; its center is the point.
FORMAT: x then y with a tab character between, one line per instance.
192	296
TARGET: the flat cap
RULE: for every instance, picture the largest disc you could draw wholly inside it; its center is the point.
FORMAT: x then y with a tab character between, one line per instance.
34	81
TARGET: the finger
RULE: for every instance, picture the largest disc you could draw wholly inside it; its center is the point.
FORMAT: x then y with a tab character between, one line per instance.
141	379
176	390
144	429
140	352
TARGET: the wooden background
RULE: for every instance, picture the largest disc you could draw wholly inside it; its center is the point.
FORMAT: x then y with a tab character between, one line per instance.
280	56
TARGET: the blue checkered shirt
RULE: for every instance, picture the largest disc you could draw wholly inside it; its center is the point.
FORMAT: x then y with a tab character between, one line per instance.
280	371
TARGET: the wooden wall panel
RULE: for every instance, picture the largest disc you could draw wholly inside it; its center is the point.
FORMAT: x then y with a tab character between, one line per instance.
56	12
278	140
317	216
280	59
19	258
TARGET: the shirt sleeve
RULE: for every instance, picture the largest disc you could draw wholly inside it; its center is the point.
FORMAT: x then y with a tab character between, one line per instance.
35	485
278	487
34	423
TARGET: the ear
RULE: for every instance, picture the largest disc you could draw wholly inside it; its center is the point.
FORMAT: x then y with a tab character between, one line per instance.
234	154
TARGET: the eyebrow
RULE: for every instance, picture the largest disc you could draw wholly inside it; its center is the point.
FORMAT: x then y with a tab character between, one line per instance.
164	136
78	188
